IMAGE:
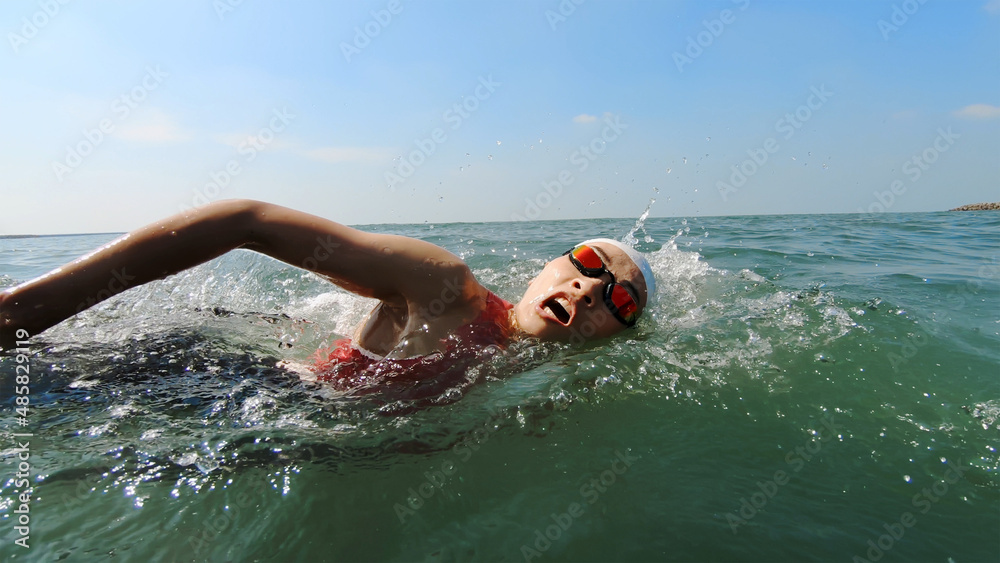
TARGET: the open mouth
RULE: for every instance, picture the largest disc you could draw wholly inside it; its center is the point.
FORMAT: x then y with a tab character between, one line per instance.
558	310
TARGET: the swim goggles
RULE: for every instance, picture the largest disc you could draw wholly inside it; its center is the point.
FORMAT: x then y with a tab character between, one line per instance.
622	304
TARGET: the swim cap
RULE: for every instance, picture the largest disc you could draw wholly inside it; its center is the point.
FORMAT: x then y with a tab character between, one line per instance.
638	259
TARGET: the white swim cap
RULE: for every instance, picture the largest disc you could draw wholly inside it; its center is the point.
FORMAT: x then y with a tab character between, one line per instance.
638	259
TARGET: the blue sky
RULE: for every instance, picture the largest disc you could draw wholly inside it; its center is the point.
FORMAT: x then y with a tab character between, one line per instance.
117	113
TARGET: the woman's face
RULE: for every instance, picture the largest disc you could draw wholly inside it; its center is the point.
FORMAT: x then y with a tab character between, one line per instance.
563	304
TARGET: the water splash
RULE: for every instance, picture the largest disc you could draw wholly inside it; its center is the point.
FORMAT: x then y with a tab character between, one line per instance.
629	237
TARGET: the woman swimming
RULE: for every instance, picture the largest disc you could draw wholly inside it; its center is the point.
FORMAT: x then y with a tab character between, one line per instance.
429	300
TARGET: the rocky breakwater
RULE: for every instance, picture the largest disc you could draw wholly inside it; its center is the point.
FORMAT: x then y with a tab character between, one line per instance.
978	207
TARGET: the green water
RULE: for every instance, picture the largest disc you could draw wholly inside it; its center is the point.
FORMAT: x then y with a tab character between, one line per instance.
804	385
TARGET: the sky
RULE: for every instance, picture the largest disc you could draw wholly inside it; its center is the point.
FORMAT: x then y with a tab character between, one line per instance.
118	113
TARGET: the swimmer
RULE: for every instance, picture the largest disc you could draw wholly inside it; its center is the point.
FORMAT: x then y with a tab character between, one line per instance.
426	294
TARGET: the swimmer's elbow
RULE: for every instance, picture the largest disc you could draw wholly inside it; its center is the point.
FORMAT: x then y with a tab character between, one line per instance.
247	217
229	217
243	211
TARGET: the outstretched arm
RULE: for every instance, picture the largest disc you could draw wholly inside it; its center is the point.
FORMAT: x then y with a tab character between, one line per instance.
398	270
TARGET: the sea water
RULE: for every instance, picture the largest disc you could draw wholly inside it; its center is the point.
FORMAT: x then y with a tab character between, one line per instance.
804	388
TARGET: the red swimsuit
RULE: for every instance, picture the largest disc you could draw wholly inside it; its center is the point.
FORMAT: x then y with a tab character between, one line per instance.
349	368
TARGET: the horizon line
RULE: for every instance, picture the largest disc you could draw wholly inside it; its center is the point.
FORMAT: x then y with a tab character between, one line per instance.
13	236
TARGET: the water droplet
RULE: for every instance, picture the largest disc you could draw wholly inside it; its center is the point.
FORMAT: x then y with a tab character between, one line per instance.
685	160
467	154
490	157
708	138
825	166
809	153
906	478
498	143
440	198
793	158
668	171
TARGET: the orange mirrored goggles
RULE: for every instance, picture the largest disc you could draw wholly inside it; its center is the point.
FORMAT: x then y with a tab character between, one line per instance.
623	305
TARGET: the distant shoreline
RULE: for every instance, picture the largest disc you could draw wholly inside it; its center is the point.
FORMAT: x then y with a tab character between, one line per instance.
978	207
58	235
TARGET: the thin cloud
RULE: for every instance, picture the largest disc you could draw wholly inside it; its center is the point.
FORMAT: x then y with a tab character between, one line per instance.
153	126
585	118
234	140
241	141
979	111
993	7
348	154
